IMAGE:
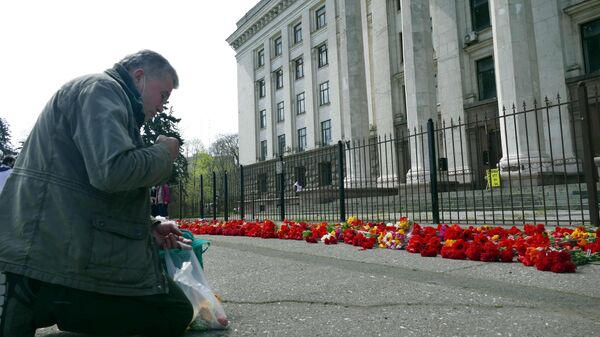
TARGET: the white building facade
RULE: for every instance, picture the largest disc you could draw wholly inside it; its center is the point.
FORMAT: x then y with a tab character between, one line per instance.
313	72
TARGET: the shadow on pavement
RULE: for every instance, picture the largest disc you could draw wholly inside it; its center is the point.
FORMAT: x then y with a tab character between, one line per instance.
54	332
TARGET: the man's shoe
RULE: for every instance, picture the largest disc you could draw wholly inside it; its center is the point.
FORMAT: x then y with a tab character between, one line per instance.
16	306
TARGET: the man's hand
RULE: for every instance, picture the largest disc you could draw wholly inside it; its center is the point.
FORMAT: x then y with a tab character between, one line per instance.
168	236
172	145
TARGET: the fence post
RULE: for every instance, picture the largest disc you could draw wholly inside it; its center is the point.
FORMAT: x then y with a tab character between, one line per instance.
225	198
341	188
435	207
589	167
201	196
279	170
214	184
242	209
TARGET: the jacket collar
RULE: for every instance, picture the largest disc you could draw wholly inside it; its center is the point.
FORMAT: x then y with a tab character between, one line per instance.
120	74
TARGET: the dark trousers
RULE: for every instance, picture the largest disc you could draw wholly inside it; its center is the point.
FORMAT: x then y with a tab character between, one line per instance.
80	311
154	210
163	210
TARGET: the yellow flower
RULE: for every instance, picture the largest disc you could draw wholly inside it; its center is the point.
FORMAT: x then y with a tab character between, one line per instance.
449	242
582	242
578	233
496	237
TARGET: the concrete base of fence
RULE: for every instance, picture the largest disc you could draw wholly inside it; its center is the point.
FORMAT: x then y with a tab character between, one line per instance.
328	194
442	186
540	179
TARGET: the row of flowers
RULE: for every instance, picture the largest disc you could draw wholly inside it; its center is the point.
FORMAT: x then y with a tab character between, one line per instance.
559	250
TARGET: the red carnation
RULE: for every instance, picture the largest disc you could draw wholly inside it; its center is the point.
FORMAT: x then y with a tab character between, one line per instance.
429	251
474	252
459	250
490	252
506	254
593	247
414	245
543	261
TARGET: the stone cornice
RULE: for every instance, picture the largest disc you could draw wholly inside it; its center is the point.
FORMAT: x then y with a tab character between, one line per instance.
249	28
581	7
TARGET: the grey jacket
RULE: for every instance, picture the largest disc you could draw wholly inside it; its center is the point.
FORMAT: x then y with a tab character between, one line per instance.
76	209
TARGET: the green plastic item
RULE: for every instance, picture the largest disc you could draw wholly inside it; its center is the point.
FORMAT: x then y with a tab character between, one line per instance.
199	246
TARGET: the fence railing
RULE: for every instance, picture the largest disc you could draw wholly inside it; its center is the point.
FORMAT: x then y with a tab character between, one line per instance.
530	164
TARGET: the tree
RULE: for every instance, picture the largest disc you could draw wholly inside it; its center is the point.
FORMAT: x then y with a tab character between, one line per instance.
5	138
165	124
200	164
226	152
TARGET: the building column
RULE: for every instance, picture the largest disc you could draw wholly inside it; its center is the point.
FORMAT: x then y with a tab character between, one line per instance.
419	79
517	80
268	101
450	89
309	84
559	137
247	109
382	93
353	117
288	87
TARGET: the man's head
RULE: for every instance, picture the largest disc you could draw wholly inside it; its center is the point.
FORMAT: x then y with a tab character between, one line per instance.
8	161
154	78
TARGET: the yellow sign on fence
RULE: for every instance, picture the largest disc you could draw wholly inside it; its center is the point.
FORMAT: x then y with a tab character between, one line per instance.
493	177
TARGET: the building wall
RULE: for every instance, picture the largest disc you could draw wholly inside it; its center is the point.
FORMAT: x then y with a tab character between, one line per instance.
393	64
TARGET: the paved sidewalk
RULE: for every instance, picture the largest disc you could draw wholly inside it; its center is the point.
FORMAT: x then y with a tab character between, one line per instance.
292	288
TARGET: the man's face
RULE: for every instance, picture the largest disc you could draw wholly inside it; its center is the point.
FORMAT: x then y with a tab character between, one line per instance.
155	94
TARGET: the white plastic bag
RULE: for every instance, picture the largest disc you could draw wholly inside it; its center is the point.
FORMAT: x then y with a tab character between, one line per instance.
184	268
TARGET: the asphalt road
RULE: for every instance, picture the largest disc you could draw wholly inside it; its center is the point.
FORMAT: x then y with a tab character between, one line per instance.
292	288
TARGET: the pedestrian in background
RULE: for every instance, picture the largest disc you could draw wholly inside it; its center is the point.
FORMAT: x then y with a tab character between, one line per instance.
163	198
77	245
297	186
153	202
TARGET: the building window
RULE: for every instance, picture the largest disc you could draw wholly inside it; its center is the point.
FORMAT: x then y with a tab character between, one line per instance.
278	47
281	144
300	107
298	33
299	67
320	18
279	79
302	139
280	112
262	92
263	119
486	80
262	182
322	51
398	7
401	48
590	38
260	58
326	132
324	93
263	150
480	14
325	174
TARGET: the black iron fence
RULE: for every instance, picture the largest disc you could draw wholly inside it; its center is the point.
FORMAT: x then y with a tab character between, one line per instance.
529	164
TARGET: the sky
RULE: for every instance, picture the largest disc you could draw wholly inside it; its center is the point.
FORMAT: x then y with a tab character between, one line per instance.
44	44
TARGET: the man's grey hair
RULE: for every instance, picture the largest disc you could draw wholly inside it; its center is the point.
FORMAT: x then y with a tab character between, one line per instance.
152	62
